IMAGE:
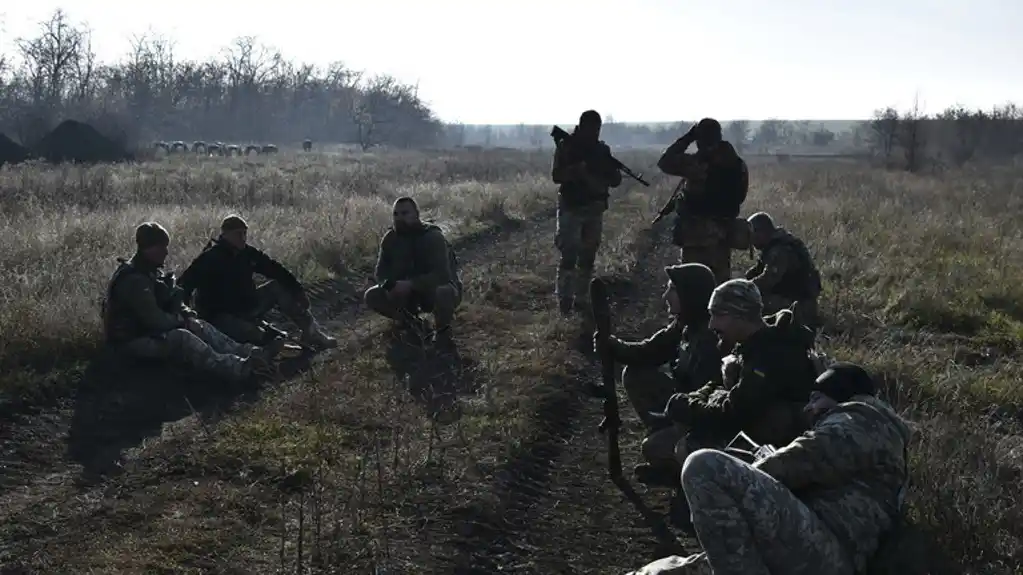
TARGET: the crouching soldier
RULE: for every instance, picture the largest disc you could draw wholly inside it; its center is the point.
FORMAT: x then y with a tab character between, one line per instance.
227	295
785	273
820	504
144	317
417	272
688	347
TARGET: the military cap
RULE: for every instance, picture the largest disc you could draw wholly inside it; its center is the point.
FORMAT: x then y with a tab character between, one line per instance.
738	298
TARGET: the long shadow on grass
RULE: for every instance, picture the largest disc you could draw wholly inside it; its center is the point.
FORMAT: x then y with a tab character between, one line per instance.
435	377
120	404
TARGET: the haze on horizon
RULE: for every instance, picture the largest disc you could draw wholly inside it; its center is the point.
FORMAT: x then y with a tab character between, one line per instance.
641	61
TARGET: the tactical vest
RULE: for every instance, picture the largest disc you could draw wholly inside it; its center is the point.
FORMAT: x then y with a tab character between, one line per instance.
801	283
452	257
119	323
577	194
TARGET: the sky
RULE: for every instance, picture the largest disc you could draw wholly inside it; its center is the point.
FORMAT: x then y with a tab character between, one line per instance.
542	62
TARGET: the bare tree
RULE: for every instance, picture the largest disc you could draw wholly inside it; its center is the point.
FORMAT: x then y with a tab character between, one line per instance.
884	132
911	136
737	133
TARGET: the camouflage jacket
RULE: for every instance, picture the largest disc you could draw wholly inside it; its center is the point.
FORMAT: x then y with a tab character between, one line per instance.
851	469
578	189
716	180
422	256
773	374
141	302
692	352
786	269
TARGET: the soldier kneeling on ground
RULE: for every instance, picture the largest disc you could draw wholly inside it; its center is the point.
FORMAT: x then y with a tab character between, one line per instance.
785	273
687	346
820	504
227	295
417	271
765	383
144	317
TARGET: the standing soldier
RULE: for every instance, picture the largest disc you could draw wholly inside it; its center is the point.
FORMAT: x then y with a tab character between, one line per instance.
584	171
785	273
716	182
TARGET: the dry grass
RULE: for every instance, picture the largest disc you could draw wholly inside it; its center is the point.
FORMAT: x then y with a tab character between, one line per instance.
922	279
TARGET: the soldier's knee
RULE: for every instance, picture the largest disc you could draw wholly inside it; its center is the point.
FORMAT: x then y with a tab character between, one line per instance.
699	463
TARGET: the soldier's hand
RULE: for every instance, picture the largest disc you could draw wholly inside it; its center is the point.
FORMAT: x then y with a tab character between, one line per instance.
678	407
192	325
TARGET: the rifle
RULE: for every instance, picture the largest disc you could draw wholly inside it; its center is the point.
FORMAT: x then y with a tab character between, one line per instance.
560	136
669	206
601	309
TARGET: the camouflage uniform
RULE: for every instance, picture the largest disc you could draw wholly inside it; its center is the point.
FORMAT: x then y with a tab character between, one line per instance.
143	318
423	256
715	186
786	275
764	386
582	201
821	504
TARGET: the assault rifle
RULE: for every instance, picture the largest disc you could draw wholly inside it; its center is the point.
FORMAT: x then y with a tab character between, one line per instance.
669	206
560	136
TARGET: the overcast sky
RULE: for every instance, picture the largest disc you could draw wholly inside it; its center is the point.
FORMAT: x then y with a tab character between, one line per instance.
543	62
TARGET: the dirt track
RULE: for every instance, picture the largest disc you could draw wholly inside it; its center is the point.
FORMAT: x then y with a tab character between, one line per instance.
551	506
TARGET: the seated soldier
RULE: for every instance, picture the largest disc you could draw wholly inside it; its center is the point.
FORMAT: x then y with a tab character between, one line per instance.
820	504
144	317
686	345
785	273
765	387
416	271
227	295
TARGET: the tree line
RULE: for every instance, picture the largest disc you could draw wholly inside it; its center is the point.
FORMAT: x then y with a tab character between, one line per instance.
912	140
251	93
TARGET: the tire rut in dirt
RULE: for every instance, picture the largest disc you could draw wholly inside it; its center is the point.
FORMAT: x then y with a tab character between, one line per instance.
37	443
561	462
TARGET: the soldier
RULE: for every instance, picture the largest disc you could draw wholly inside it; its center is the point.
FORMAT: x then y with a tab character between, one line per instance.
417	271
144	317
820	504
690	349
227	295
584	175
785	273
716	182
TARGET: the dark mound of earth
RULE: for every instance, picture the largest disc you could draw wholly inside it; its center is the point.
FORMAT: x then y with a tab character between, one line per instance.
12	152
78	142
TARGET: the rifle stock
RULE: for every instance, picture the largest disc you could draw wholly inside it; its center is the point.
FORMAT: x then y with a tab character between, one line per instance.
601	309
560	136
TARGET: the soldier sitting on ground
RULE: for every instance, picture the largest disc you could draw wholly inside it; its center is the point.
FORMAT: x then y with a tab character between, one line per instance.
144	317
227	295
417	271
785	274
687	345
820	504
763	389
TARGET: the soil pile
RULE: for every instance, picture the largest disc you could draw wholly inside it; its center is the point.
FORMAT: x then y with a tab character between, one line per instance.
12	152
78	142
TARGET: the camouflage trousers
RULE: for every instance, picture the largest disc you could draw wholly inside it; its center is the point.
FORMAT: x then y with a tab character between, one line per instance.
578	238
207	349
717	258
442	303
246	327
749	524
805	312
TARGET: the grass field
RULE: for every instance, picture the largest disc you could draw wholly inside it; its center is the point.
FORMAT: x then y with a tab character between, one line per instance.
384	459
